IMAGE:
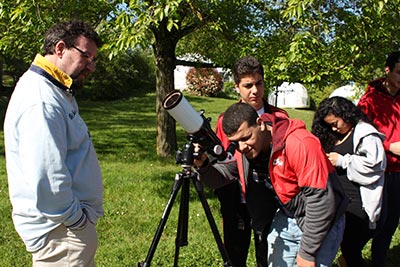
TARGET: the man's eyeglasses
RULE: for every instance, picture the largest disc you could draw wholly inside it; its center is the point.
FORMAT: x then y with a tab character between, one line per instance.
86	55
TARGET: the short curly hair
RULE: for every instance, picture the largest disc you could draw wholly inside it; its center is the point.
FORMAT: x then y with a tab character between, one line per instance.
392	59
68	31
235	115
245	66
340	107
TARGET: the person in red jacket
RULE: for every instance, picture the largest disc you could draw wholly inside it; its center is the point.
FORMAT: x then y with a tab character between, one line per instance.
304	180
381	103
245	204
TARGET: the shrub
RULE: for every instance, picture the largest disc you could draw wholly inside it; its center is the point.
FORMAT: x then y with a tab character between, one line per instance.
128	74
3	108
204	81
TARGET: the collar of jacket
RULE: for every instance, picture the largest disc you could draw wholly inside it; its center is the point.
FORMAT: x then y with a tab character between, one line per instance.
280	123
54	71
379	87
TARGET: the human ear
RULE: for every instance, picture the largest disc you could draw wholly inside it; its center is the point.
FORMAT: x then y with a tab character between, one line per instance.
260	123
387	69
59	48
236	86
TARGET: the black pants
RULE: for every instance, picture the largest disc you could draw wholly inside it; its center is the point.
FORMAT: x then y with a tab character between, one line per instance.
237	228
381	242
356	235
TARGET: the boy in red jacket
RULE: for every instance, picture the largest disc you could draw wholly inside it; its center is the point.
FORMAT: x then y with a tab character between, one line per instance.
302	177
381	103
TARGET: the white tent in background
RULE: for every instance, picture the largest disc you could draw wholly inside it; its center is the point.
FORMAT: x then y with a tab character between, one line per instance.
290	95
347	91
180	77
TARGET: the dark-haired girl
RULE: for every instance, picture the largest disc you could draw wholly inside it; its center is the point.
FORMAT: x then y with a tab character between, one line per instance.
354	147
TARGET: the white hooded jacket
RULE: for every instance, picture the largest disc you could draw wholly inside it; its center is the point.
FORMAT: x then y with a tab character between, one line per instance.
367	168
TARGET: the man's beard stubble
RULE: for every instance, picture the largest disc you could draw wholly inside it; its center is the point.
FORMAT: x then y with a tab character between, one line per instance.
77	85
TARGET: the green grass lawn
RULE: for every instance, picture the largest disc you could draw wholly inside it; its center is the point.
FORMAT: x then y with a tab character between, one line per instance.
137	185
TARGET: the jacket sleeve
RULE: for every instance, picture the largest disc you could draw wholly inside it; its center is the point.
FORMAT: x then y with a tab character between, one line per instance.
218	174
310	165
368	164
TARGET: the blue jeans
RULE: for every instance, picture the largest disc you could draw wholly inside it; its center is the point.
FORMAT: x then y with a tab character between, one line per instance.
284	241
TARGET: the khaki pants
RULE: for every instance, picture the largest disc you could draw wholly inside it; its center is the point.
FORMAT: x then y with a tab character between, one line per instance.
65	247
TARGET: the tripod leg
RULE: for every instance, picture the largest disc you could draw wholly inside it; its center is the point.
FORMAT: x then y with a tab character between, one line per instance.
182	232
211	221
175	189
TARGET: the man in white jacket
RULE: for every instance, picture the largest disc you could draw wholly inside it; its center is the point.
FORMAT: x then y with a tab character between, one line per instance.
55	182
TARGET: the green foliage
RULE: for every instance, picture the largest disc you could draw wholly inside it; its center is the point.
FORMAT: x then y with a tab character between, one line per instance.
3	107
134	23
127	74
315	42
317	94
204	81
162	24
138	23
229	91
11	246
228	35
13	68
23	23
341	40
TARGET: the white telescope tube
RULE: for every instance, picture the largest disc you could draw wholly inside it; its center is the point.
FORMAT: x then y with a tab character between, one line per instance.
180	109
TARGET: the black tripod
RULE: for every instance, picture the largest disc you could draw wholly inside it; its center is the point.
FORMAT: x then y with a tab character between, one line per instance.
182	180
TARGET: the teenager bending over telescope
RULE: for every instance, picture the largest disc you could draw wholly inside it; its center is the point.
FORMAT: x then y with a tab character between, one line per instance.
305	182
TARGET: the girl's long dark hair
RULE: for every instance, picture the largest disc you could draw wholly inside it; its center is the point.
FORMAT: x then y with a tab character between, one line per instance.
339	107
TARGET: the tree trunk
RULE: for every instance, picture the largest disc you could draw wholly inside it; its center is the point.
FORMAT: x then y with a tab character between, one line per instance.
1	72
164	49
